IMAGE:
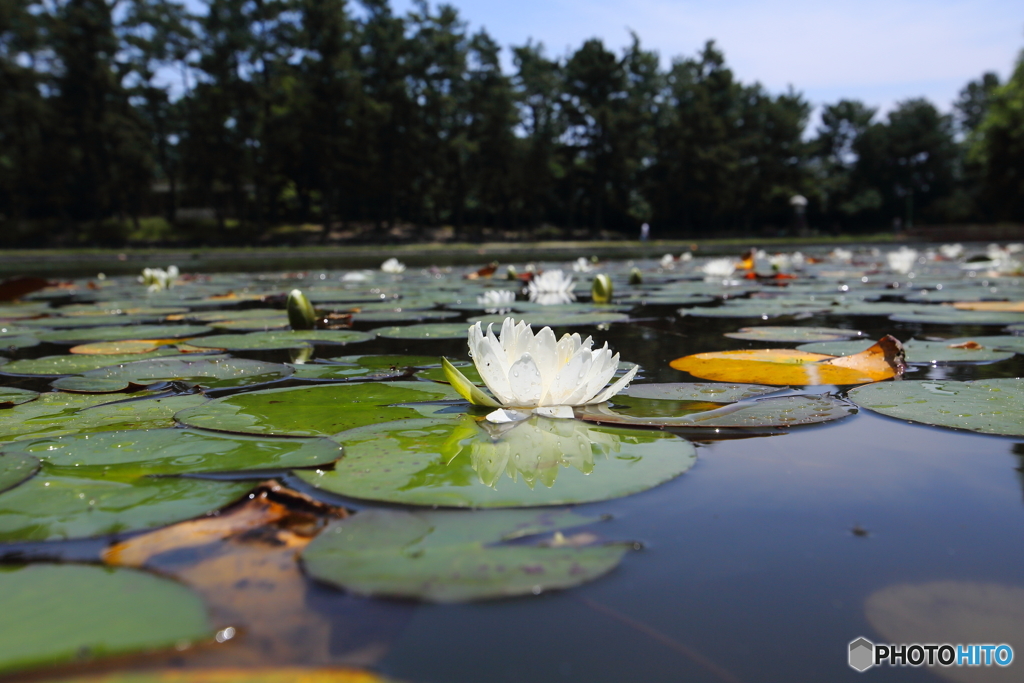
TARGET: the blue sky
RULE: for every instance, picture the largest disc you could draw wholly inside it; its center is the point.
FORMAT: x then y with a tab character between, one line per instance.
878	51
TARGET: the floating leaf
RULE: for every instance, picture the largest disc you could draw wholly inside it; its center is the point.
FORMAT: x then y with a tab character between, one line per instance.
468	371
208	373
1000	306
16	468
22	341
883	360
917	352
1002	342
94	385
452	556
59	613
752	309
76	364
60	413
12	396
122	347
990	406
793	334
402	315
61	503
91	334
555	319
369	367
284	339
314	411
696	391
536	462
425	331
173	451
946	315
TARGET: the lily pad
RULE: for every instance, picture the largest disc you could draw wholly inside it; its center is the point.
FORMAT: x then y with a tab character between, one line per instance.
546	319
22	341
314	410
917	352
989	406
454	556
121	347
999	342
93	385
370	367
947	315
76	364
793	334
437	374
16	468
715	392
172	451
463	464
284	339
92	334
774	412
12	396
69	323
60	413
216	373
401	315
425	331
751	309
63	613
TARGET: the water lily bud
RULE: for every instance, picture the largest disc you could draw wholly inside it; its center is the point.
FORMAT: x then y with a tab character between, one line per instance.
601	291
636	277
301	315
301	355
511	274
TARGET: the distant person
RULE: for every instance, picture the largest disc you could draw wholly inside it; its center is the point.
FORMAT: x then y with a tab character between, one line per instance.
645	232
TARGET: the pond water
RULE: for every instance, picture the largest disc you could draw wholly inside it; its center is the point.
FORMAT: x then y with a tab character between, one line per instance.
759	560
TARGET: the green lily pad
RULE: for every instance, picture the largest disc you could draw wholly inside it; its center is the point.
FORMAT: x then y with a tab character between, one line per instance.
62	503
990	406
453	556
10	330
793	334
370	367
60	413
999	342
917	352
216	373
93	334
173	451
12	396
80	321
404	314
553	319
715	392
463	464
467	369
92	385
388	361
946	315
751	309
766	413
22	311
63	613
21	341
252	324
314	410
76	363
425	331
283	339
16	468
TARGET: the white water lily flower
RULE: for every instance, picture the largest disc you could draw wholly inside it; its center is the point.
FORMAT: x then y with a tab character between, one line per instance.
354	276
550	288
497	300
393	266
719	268
951	251
668	261
158	279
535	373
582	265
902	260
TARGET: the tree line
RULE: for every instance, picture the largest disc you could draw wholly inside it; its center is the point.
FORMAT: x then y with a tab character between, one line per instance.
259	113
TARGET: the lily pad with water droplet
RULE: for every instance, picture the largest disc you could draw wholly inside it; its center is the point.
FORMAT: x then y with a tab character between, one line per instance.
60	413
947	315
12	396
93	385
172	451
425	331
918	352
283	339
314	410
454	556
76	364
61	503
715	392
114	333
793	334
64	613
989	406
215	373
539	461
370	367
16	468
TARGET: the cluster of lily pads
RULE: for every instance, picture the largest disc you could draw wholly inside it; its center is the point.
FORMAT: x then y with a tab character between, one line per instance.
126	408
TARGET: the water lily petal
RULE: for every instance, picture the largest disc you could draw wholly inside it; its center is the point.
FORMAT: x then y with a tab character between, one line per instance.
566	382
543	350
504	415
601	372
617	387
524	379
491	364
560	412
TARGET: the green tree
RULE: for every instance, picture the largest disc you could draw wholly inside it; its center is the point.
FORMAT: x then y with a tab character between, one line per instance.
999	147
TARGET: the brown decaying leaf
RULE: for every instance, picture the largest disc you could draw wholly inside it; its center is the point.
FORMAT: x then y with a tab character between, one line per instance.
991	306
125	346
247	572
970	345
485	272
17	287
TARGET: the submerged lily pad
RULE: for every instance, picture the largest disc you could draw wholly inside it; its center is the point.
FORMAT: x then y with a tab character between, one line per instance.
62	503
76	364
793	334
60	413
453	556
62	613
115	333
16	468
314	411
917	352
462	464
12	396
284	339
989	406
425	331
173	451
215	373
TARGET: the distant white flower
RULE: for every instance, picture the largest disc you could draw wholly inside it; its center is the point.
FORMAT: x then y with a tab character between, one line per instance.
393	266
582	265
840	255
550	288
686	256
158	279
719	268
780	262
497	300
668	261
951	251
354	276
902	260
527	372
796	259
1000	260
